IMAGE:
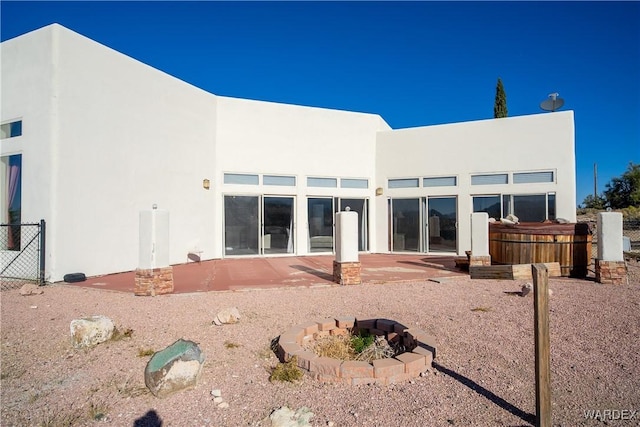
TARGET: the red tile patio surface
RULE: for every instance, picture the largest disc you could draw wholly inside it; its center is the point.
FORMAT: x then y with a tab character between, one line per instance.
277	272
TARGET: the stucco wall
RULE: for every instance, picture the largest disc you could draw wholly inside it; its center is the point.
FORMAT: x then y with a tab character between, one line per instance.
122	137
538	142
280	139
26	94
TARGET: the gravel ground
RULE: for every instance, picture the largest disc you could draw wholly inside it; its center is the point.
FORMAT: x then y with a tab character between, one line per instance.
483	375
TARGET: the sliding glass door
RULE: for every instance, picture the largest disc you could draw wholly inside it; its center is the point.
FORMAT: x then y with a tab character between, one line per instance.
405	225
426	224
442	224
241	225
361	207
258	225
277	229
320	215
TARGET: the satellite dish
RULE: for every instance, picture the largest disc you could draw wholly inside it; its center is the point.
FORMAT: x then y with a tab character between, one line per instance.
553	103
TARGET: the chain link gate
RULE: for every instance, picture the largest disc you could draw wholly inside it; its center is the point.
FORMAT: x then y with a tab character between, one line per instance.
22	254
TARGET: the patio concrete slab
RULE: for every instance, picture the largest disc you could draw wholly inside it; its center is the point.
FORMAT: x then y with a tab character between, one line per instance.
237	274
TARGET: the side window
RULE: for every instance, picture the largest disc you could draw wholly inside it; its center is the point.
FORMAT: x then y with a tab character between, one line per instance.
11	129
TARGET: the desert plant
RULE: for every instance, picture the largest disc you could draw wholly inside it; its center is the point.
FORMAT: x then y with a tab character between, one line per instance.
378	349
128	388
361	341
119	335
58	417
231	344
98	410
336	347
287	371
145	352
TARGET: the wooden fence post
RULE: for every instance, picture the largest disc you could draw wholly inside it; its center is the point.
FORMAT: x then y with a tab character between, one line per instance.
542	345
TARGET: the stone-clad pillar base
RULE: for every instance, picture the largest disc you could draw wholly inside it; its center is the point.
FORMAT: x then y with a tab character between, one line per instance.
155	281
347	273
611	272
479	261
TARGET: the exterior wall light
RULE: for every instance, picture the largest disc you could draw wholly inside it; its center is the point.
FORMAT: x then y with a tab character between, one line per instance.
379	191
206	184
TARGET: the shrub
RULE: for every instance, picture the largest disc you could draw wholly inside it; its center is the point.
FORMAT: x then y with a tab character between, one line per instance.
361	341
287	371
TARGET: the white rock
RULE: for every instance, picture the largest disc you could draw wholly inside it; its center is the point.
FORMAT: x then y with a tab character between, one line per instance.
227	316
91	331
216	393
218	399
30	289
223	405
285	417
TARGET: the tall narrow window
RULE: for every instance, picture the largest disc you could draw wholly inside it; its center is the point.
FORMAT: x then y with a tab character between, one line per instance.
12	199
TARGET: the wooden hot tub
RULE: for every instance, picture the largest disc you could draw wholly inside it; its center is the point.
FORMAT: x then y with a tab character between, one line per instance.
534	242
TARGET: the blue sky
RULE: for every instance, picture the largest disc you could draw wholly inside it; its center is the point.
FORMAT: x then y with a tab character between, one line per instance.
413	63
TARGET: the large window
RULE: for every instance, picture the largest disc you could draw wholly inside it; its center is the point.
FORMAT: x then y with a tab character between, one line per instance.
11	199
527	207
530	208
488	204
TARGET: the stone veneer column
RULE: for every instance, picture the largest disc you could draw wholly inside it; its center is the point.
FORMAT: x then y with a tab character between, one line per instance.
610	265
346	267
479	239
154	275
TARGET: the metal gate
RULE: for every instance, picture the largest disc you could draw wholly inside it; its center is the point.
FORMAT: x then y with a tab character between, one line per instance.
22	254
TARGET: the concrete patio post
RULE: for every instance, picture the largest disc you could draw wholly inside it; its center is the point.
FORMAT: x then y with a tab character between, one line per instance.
479	239
610	265
346	266
154	275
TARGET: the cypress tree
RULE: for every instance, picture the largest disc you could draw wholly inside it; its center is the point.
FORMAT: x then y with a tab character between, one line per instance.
500	105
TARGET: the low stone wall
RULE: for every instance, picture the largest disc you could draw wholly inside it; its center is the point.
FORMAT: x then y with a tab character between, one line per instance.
418	358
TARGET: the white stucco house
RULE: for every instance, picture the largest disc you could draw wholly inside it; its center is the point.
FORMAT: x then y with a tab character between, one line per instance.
91	137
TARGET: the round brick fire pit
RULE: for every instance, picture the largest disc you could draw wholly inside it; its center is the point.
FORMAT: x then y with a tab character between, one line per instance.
419	354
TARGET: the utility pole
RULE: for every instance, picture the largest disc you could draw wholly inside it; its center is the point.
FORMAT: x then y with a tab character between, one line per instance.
595	180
